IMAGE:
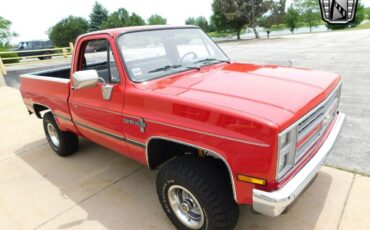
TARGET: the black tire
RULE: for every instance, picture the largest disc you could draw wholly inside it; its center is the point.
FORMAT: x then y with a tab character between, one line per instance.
45	57
48	57
210	185
67	142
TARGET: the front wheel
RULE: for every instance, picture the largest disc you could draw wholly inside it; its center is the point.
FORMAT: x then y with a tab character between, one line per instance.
63	143
196	193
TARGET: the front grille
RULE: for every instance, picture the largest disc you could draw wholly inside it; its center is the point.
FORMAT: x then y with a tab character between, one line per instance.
311	128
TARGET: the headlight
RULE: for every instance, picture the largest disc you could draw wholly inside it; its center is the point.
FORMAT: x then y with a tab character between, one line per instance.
286	151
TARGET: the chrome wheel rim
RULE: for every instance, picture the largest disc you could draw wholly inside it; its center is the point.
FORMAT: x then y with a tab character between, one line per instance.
186	207
53	134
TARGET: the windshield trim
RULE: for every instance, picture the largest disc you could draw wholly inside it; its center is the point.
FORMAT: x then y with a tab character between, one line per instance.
165	74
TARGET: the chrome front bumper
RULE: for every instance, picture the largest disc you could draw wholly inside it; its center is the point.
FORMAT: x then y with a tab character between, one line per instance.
275	202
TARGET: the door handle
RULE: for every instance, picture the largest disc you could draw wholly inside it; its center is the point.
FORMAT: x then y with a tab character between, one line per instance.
107	91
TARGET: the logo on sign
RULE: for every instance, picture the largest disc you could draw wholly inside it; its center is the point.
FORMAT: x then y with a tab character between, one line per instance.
338	11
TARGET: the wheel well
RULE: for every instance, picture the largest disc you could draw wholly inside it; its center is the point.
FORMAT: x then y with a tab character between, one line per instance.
38	109
160	151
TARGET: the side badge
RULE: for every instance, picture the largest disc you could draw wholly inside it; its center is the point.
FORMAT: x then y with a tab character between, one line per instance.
140	123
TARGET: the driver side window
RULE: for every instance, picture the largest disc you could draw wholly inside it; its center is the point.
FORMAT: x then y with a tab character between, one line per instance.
97	55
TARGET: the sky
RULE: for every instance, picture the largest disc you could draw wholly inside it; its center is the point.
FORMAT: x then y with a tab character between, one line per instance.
32	18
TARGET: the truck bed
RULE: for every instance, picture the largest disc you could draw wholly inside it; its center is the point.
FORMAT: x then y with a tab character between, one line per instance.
62	73
47	90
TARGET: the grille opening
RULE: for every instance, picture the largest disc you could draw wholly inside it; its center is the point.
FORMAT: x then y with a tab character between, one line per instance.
323	116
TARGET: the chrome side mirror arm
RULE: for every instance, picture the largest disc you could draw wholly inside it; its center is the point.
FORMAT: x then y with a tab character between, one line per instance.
100	79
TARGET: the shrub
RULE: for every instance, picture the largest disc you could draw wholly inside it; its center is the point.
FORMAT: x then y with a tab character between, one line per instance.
9	55
67	30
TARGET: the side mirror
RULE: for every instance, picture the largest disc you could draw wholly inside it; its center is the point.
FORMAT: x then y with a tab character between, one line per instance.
85	79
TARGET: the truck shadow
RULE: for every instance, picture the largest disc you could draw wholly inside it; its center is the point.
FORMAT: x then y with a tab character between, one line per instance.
106	189
304	213
111	191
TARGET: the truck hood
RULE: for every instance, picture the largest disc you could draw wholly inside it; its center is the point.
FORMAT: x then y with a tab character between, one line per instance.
277	94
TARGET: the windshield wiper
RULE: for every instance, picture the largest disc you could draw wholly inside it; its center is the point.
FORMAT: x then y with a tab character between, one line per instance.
168	67
192	67
210	60
165	68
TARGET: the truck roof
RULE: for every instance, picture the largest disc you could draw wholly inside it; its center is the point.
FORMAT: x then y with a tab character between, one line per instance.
118	31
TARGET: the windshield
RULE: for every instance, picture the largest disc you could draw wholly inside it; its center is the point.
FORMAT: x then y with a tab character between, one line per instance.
152	54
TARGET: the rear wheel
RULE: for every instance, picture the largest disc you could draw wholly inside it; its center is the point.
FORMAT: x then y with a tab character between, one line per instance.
63	143
196	194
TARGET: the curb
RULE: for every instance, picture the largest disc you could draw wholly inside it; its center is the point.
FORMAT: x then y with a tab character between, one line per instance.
2	80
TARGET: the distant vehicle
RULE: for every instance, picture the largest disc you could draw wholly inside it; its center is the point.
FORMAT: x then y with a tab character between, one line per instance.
35	48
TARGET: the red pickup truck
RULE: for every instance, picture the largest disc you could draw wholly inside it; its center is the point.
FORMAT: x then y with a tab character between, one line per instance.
222	133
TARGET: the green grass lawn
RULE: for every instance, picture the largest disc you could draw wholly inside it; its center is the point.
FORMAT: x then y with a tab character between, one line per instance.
361	27
222	34
216	34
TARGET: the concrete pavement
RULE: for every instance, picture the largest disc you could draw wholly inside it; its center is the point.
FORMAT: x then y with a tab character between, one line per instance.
99	189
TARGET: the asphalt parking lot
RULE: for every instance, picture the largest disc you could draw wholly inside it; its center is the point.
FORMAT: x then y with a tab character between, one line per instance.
99	189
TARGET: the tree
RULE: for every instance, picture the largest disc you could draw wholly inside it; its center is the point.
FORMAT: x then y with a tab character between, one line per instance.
359	16
5	36
190	21
367	12
136	20
278	11
266	22
156	19
119	18
255	10
199	21
5	33
97	17
202	23
238	13
292	18
310	11
275	16
211	26
221	23
230	14
67	30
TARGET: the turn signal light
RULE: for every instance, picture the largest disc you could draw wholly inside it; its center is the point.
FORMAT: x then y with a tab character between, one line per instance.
252	180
